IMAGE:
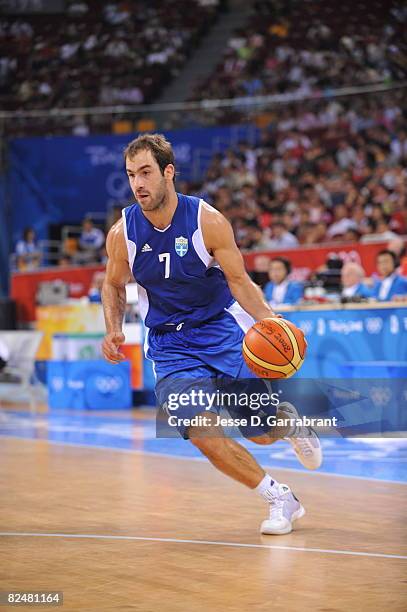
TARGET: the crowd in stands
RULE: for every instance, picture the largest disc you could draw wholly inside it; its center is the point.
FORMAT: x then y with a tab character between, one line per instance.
346	183
125	52
87	247
97	53
325	170
291	45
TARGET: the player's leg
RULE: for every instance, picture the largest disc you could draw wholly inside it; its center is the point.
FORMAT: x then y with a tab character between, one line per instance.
187	357
225	453
228	361
304	440
284	425
233	460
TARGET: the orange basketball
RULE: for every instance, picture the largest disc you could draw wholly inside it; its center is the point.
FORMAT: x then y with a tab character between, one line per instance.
274	348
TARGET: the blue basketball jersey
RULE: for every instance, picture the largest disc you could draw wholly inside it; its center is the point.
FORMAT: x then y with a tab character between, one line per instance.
180	285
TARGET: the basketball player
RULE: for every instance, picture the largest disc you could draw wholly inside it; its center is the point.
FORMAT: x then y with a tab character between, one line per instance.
197	302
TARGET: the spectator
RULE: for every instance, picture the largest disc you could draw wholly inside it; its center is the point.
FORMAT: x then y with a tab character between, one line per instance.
380	231
282	238
78	9
280	290
341	223
392	286
27	251
4	355
95	290
346	154
351	235
260	270
64	261
91	242
398	246
352	275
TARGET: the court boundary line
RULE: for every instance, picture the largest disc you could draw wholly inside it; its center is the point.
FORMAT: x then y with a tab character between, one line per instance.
199	542
199	459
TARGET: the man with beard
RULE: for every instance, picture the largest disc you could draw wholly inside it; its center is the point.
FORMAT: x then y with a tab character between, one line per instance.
197	301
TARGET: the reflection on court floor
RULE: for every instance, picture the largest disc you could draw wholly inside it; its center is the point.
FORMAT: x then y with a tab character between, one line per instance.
378	458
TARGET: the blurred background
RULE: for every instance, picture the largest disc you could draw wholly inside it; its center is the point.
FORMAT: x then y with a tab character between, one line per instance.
288	116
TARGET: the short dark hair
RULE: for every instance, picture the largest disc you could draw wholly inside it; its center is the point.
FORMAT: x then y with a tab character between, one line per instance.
160	148
27	230
286	263
388	252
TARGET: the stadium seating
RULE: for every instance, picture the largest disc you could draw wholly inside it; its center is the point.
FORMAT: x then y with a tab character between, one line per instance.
296	46
97	54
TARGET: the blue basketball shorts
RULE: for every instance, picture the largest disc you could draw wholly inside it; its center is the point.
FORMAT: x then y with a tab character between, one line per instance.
212	349
202	354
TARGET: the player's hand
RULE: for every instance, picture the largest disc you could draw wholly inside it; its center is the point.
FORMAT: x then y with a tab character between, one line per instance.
110	347
268	314
274	315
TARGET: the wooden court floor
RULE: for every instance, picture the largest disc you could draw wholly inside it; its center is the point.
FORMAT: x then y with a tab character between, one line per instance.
173	534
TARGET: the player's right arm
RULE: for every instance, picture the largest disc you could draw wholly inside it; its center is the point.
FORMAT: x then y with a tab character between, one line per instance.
220	242
114	292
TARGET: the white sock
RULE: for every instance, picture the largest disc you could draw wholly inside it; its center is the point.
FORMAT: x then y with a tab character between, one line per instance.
267	488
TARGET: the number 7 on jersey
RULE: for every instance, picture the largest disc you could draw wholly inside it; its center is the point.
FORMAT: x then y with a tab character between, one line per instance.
166	258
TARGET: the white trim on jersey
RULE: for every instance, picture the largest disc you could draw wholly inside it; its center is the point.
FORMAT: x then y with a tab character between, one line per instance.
142	301
157	229
198	241
242	318
143	307
131	246
146	347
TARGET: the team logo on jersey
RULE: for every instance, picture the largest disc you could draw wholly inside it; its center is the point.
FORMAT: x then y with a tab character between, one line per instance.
181	246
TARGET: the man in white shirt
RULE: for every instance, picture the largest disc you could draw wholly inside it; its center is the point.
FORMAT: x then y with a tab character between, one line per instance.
342	223
352	275
91	242
282	238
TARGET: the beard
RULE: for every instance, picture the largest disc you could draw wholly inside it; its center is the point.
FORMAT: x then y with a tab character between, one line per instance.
154	202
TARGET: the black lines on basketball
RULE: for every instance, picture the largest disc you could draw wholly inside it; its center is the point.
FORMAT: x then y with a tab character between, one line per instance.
274	348
289	361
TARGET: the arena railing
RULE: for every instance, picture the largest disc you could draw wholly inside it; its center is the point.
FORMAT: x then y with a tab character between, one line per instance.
201	110
210	104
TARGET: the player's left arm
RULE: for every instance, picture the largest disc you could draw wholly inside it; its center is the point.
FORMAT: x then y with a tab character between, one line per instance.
220	243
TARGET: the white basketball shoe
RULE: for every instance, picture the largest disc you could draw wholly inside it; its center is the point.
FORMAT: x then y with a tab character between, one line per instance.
284	510
304	440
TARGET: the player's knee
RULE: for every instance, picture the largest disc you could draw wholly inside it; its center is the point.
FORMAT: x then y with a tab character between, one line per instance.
262	440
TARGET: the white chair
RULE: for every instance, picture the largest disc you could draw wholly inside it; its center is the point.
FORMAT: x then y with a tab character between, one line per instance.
23	347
